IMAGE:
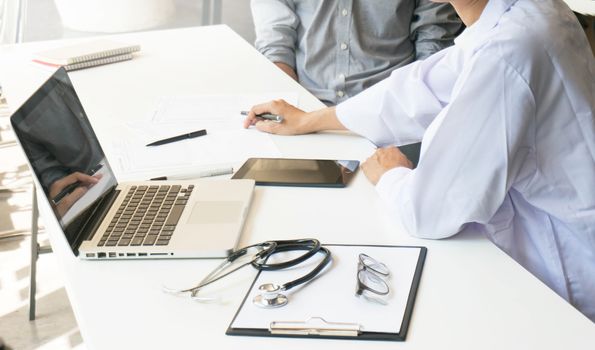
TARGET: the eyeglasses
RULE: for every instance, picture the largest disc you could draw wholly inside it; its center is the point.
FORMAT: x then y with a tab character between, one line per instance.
371	279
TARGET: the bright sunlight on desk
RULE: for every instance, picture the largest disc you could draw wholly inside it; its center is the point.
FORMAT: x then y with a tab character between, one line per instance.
471	295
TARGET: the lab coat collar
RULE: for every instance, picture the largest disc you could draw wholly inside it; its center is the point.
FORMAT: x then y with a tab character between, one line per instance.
489	19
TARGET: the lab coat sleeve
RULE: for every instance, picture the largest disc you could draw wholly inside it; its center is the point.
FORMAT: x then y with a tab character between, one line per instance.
275	24
398	109
469	163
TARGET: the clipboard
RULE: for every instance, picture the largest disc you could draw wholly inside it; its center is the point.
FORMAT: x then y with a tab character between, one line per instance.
327	306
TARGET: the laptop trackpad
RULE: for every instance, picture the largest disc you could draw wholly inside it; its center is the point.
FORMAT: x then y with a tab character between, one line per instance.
213	212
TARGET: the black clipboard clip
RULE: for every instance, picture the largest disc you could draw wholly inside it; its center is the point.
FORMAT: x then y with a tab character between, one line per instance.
315	326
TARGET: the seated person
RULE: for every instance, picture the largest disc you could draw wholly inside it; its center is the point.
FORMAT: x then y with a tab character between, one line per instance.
335	49
508	139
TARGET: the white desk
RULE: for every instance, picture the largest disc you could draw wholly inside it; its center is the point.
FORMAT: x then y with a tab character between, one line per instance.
471	294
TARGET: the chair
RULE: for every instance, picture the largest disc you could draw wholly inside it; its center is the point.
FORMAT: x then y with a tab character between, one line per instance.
12	23
211	12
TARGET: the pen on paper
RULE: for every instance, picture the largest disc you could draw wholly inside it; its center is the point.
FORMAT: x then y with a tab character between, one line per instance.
190	135
190	176
267	116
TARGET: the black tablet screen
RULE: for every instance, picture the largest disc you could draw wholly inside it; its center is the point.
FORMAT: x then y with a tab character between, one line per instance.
298	172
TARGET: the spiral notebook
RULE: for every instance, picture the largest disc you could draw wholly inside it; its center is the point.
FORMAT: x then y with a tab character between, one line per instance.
87	54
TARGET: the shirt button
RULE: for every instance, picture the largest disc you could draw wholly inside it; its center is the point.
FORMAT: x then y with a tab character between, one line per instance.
340	93
342	77
344	12
343	46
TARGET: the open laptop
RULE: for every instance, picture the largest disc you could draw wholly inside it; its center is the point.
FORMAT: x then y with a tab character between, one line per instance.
104	219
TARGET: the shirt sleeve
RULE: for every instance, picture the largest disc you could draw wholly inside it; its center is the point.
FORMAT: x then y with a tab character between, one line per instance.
433	27
476	148
275	24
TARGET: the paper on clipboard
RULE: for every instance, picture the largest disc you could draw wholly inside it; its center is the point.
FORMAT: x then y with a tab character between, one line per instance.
331	297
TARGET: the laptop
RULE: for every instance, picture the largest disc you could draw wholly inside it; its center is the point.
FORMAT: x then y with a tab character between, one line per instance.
104	219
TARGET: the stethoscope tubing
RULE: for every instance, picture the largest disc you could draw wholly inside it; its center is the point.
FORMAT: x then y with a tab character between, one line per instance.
311	246
310	276
267	249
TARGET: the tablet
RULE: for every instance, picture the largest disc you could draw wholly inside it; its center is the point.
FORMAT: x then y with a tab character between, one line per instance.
298	172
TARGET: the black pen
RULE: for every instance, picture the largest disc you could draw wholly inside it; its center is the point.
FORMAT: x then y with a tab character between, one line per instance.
65	192
268	116
71	187
179	138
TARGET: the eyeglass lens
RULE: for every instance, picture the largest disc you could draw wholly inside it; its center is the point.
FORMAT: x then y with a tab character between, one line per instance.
371	276
374	265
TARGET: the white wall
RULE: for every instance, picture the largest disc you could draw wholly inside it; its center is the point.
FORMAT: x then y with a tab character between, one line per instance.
43	21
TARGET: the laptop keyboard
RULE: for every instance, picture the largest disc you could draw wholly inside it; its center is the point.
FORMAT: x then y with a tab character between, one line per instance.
147	216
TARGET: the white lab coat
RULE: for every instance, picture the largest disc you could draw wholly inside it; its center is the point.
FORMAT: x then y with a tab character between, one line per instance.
508	141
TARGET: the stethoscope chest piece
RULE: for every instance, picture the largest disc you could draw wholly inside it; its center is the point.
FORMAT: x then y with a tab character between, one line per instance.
271	296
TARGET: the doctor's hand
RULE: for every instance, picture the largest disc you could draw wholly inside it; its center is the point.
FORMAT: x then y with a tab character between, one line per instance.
295	121
292	123
82	181
382	161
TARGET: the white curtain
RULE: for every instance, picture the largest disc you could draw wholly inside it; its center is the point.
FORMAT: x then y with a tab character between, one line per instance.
12	20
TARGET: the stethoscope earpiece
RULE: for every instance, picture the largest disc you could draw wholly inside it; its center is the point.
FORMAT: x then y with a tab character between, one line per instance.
270	297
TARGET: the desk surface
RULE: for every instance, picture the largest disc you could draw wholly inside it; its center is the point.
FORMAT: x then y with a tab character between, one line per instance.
471	295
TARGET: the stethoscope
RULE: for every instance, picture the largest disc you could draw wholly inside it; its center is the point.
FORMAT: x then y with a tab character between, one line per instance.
271	294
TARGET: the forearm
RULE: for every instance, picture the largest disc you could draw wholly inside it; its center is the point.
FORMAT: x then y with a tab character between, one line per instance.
275	25
287	69
295	121
322	120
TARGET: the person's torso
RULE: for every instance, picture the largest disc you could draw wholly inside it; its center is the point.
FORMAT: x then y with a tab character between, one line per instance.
346	46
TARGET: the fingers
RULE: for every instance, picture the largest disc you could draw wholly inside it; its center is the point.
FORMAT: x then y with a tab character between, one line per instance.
274	107
74	196
391	157
250	120
383	160
372	169
78	178
86	179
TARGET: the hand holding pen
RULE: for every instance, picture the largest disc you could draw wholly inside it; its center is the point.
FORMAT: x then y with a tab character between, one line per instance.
266	116
69	189
291	121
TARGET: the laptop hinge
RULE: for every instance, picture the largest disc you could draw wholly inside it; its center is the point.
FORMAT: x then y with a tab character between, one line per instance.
88	229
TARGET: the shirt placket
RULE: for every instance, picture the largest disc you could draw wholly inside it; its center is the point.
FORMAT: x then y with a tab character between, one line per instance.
343	42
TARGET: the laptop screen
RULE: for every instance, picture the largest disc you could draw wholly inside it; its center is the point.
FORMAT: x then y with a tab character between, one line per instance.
64	153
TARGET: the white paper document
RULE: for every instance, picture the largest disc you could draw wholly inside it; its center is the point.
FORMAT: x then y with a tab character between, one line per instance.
213	112
226	142
215	148
331	296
